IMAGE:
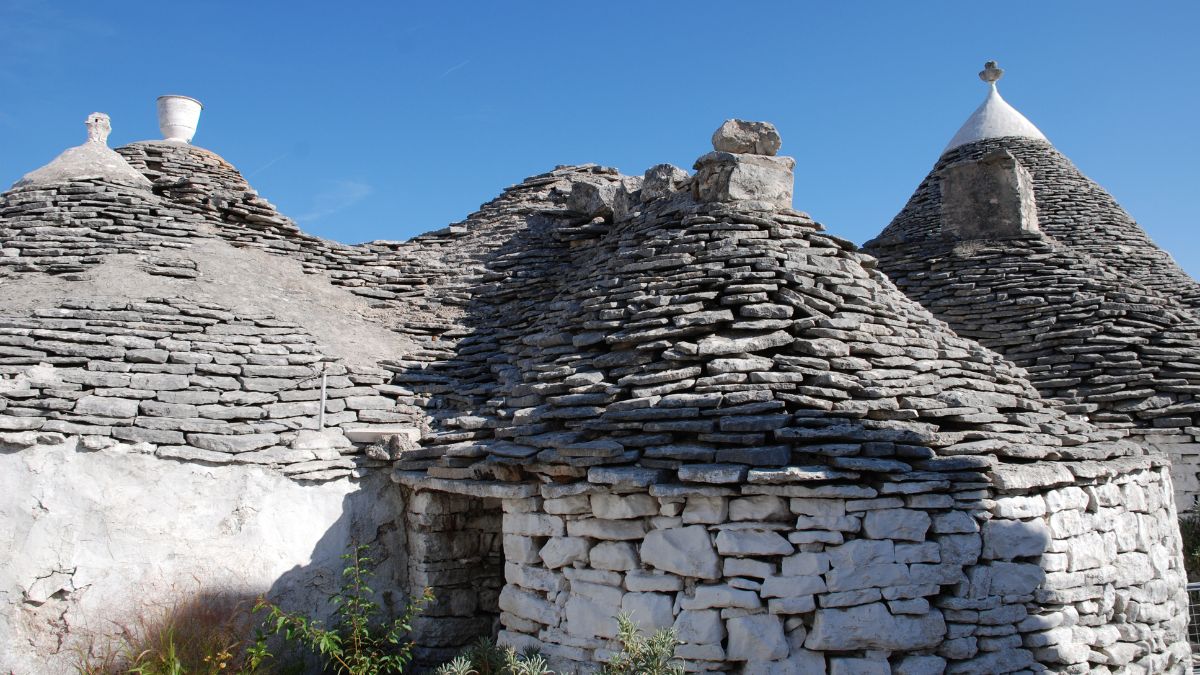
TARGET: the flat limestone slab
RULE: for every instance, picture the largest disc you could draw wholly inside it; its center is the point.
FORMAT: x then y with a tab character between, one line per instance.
419	480
378	433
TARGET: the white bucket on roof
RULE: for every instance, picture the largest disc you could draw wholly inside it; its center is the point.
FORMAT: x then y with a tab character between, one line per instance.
178	117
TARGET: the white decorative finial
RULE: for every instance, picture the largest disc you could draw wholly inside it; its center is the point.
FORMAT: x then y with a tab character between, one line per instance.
991	72
995	118
98	127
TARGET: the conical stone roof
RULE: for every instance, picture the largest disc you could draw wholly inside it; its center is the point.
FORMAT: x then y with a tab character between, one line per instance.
91	160
681	338
1071	208
1101	318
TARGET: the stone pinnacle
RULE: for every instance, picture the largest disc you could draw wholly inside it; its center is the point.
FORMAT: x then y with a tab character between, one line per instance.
991	72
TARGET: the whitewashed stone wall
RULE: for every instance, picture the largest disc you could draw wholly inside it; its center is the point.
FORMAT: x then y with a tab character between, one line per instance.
1071	567
88	540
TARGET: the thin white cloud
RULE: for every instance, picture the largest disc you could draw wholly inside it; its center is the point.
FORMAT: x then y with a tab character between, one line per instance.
453	68
336	196
266	166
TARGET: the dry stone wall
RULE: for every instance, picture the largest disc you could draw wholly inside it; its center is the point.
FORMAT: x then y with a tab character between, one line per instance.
722	419
1063	566
454	549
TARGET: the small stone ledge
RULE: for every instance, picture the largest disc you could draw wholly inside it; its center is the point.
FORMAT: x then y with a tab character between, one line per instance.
419	480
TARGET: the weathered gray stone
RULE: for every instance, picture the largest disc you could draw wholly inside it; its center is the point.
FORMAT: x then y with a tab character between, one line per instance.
563	551
686	551
740	136
871	626
649	611
752	542
756	637
700	626
905	524
105	406
232	443
614	555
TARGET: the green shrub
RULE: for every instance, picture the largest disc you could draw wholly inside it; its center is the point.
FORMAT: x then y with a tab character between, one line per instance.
643	656
359	643
485	657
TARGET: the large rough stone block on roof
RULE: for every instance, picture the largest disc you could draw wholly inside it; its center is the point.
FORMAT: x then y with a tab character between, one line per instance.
593	198
662	180
743	137
988	198
686	551
727	177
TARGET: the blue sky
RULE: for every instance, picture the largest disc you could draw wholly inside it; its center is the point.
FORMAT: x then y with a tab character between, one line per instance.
372	120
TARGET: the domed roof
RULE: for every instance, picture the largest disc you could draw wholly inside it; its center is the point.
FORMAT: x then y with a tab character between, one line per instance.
92	159
678	336
994	118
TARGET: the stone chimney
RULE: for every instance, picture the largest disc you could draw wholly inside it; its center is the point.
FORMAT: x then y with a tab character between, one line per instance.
988	198
743	166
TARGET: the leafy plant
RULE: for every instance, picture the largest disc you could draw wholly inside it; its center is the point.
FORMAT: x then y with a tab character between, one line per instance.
358	643
640	655
485	657
201	634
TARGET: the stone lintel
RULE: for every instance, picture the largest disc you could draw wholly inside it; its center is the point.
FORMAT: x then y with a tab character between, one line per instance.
419	480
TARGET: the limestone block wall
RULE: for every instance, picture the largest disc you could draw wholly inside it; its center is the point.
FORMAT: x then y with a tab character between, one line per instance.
1069	567
94	538
454	549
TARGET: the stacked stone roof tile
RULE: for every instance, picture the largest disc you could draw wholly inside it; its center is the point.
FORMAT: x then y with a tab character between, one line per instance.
1101	319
